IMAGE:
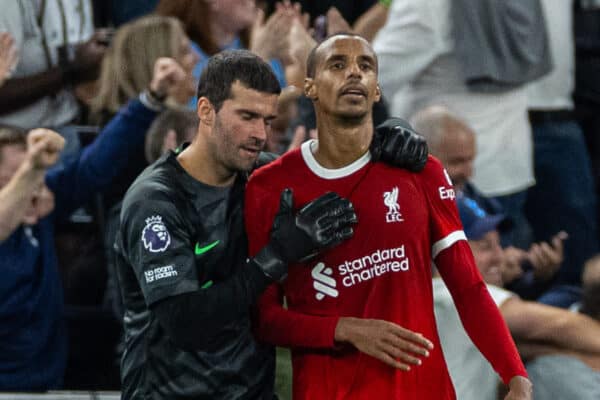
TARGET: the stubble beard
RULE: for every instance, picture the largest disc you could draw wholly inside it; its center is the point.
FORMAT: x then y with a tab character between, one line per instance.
227	154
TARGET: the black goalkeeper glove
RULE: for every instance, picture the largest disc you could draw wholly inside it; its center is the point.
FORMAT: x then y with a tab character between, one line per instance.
324	222
396	143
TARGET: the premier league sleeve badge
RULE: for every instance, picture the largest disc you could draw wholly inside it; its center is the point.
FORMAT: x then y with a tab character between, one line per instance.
155	236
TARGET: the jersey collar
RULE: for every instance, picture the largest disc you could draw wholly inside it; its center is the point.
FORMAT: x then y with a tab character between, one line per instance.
327	173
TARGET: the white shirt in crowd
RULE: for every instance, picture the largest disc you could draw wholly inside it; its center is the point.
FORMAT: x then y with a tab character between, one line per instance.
417	68
63	22
554	91
472	375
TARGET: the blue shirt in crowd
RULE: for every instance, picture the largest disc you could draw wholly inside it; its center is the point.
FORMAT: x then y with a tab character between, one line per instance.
33	340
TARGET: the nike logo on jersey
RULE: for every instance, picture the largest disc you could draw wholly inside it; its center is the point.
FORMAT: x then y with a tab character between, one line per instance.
201	250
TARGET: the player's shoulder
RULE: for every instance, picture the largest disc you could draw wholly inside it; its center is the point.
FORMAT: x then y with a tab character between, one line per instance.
156	185
433	168
433	164
276	170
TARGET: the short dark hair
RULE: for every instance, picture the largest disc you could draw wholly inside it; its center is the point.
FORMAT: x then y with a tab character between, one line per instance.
311	60
12	135
227	67
181	121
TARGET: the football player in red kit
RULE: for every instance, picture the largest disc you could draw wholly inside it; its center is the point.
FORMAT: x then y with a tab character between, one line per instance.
360	318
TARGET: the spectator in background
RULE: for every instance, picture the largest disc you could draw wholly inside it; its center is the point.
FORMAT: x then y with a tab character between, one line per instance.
590	300
24	158
128	66
420	66
454	143
127	71
564	195
232	24
33	341
58	50
587	85
574	336
363	17
170	130
9	56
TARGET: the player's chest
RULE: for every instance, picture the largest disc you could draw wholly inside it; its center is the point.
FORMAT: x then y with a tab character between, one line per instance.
388	249
389	207
218	240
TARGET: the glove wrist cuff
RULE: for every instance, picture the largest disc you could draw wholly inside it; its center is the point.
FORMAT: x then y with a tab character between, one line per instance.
271	264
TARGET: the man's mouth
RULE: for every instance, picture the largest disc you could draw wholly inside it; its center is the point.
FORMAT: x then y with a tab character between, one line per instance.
354	91
252	150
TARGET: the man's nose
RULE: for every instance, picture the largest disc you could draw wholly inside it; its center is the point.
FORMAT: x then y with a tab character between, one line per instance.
354	70
260	130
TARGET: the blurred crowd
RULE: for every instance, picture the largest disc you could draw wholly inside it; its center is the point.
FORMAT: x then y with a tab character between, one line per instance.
507	97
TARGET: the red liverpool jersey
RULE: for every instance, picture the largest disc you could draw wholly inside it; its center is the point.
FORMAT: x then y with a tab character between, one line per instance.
383	272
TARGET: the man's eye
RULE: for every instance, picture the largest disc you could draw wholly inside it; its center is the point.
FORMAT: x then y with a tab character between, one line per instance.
337	65
366	67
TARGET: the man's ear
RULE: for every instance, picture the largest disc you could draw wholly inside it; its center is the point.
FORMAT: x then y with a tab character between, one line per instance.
205	111
377	93
310	89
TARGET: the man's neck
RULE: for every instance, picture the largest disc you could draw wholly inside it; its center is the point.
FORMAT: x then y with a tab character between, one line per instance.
198	162
342	143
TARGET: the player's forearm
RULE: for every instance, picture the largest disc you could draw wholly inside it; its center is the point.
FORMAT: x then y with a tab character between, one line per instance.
282	327
212	309
297	330
488	331
16	196
478	312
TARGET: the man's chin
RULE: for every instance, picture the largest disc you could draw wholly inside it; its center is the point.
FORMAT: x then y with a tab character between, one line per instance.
243	166
353	115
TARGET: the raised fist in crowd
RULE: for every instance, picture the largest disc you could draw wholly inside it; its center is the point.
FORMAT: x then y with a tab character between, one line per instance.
44	147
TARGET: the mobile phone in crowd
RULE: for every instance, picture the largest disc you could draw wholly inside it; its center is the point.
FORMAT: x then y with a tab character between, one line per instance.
320	28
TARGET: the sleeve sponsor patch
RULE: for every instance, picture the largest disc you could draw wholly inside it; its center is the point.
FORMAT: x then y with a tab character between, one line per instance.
156	274
447	193
155	236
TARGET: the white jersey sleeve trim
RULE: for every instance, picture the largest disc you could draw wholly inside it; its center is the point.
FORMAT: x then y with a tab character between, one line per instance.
327	173
446	242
